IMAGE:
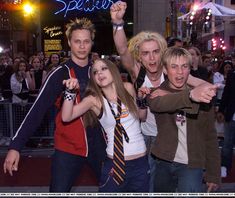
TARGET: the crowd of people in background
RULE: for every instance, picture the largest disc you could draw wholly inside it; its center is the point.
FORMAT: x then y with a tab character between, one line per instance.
139	62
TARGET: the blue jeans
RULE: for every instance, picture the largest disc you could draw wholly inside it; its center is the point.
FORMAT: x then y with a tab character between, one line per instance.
149	140
66	167
177	177
64	170
136	180
227	149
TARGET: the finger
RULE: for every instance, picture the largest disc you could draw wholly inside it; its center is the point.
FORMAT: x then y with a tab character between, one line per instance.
15	165
209	188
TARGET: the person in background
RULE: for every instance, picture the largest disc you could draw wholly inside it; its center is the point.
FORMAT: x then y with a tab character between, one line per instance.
38	76
6	70
227	112
74	144
197	70
112	103
186	144
220	78
53	62
175	42
21	84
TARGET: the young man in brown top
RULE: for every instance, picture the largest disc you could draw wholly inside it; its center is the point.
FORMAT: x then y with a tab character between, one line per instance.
186	144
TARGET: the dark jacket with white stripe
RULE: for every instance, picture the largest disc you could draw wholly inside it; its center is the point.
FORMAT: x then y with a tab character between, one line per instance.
69	137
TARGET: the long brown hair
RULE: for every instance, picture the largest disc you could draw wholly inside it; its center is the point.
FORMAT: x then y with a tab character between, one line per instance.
93	89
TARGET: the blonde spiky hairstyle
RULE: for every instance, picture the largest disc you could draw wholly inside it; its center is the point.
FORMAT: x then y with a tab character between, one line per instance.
80	24
143	36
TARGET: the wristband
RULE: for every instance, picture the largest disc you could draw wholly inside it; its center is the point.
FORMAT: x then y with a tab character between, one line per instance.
118	26
69	96
72	91
141	103
115	28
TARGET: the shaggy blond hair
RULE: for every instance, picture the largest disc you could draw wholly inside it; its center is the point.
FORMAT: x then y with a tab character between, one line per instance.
80	24
141	37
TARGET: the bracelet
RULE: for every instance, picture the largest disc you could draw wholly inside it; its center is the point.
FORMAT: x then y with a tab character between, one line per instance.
141	103
69	96
73	91
115	28
118	24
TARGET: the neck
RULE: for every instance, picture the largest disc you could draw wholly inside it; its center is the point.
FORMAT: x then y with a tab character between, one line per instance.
80	62
110	93
153	77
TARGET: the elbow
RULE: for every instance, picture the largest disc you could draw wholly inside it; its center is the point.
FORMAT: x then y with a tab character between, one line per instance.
65	118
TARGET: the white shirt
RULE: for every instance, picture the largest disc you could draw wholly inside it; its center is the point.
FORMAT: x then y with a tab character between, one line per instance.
130	123
149	127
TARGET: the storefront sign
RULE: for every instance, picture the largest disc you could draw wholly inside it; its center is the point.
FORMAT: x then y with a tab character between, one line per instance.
52	45
53	31
83	5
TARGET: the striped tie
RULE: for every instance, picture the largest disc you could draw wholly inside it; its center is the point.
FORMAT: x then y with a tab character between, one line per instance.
118	153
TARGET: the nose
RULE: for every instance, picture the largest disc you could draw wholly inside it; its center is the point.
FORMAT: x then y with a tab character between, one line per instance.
179	70
81	45
151	56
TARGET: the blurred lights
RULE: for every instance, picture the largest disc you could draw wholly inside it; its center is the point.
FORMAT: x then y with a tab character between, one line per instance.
28	9
1	49
218	43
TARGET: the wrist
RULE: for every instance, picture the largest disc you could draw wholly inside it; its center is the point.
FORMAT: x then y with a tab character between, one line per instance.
69	96
141	103
117	22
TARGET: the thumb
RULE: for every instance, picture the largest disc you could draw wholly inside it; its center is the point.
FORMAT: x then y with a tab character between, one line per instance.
209	189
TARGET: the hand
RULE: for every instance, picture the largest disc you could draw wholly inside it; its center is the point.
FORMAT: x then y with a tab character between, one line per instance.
143	92
11	162
71	83
158	92
117	11
203	93
211	187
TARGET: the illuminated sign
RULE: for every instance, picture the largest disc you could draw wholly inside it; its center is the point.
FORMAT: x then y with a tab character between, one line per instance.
83	5
52	45
53	31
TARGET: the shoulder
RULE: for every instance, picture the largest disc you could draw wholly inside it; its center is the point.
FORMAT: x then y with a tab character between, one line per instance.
130	88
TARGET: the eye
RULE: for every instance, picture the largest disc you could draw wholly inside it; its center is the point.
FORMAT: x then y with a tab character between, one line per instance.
95	72
104	68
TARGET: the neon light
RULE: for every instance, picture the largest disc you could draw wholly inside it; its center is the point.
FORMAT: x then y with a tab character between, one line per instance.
83	5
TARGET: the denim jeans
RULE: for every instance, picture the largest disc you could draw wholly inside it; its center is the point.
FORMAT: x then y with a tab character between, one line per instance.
149	140
66	167
229	140
64	170
177	177
136	179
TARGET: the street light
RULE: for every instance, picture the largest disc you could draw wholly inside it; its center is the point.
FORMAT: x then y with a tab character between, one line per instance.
28	9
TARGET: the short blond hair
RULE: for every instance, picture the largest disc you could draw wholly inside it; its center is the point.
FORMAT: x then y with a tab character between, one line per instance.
175	52
80	24
143	36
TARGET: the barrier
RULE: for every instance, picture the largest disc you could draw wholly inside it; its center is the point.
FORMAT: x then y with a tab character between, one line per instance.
12	115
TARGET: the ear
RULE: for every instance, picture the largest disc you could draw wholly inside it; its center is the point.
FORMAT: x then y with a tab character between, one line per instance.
164	70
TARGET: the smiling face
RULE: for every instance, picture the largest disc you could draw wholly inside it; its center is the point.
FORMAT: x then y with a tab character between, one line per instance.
149	53
101	74
178	71
36	63
80	44
55	59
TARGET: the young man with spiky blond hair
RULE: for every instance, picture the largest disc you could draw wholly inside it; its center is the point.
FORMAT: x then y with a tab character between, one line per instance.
71	139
